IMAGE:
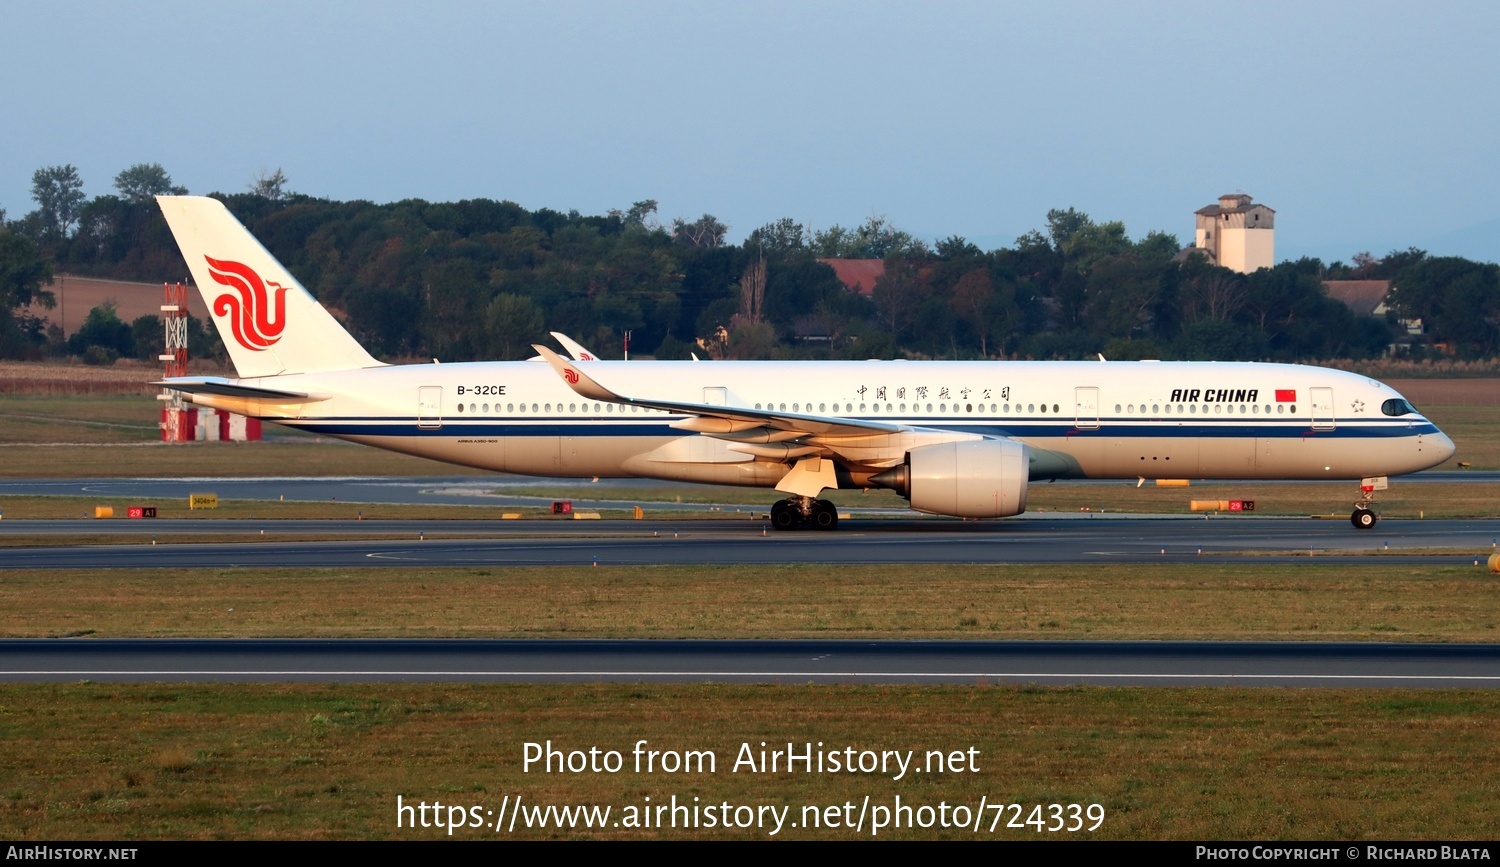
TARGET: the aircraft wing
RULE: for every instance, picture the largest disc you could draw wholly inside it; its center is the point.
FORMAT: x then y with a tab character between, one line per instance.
722	420
232	388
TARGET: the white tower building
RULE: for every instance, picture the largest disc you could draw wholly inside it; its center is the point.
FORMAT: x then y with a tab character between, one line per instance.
1237	234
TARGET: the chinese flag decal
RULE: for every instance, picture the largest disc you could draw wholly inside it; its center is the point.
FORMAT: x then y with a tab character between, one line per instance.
1286	395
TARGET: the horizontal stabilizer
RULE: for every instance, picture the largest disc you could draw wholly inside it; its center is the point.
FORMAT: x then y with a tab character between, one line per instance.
232	388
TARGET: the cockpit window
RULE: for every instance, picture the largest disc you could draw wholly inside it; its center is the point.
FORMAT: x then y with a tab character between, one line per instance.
1397	406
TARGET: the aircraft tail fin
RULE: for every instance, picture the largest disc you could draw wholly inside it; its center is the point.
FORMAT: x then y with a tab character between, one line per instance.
269	323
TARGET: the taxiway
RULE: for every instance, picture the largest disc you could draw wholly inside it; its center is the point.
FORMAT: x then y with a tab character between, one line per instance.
1073	539
1113	663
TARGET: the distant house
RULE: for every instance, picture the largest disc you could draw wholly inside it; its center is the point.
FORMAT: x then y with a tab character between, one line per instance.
1363	297
1237	234
857	275
1367	298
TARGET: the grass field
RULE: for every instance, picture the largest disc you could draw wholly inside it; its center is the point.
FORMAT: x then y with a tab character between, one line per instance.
91	761
1210	601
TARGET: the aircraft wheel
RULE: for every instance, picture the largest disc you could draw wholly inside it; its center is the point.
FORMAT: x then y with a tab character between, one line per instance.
1363	519
825	515
784	516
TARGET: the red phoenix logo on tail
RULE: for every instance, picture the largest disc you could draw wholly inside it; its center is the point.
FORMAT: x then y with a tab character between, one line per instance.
256	318
570	375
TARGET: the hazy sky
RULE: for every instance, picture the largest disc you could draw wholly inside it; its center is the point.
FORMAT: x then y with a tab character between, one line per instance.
1365	125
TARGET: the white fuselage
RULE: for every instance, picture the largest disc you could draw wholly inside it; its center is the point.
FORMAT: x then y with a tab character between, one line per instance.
1079	419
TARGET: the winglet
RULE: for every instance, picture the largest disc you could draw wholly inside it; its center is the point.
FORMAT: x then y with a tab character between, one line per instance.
574	348
576	379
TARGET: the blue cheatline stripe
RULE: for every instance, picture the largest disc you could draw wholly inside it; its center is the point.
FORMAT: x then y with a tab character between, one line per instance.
1203	429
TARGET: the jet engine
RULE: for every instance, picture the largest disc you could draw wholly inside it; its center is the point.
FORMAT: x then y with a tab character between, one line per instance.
977	479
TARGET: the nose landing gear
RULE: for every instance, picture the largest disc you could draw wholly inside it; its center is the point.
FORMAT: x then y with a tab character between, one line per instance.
795	512
1363	517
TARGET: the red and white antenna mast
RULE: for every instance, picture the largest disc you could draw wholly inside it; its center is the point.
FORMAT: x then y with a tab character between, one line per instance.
176	427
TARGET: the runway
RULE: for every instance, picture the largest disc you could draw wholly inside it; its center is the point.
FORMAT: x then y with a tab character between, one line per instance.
1112	663
491	491
1097	540
498	490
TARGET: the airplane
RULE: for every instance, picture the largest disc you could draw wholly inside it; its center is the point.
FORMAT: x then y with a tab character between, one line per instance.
955	438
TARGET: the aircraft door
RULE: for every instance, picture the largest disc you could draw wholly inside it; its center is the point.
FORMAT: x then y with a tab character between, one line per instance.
1322	408
430	407
716	396
1086	405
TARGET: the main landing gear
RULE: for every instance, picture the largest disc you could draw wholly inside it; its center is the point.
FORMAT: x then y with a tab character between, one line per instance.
1363	517
797	512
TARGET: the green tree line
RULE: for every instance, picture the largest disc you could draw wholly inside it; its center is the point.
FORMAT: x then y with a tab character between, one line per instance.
483	279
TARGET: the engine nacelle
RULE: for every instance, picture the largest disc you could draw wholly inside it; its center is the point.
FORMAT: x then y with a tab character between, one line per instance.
981	479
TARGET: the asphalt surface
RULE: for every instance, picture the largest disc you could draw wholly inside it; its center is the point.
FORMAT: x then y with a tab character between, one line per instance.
1097	540
494	491
1250	664
498	491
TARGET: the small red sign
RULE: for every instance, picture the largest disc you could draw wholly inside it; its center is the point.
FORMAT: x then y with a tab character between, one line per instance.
1286	395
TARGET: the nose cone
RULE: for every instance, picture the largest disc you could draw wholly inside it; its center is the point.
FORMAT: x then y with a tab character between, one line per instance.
1440	447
